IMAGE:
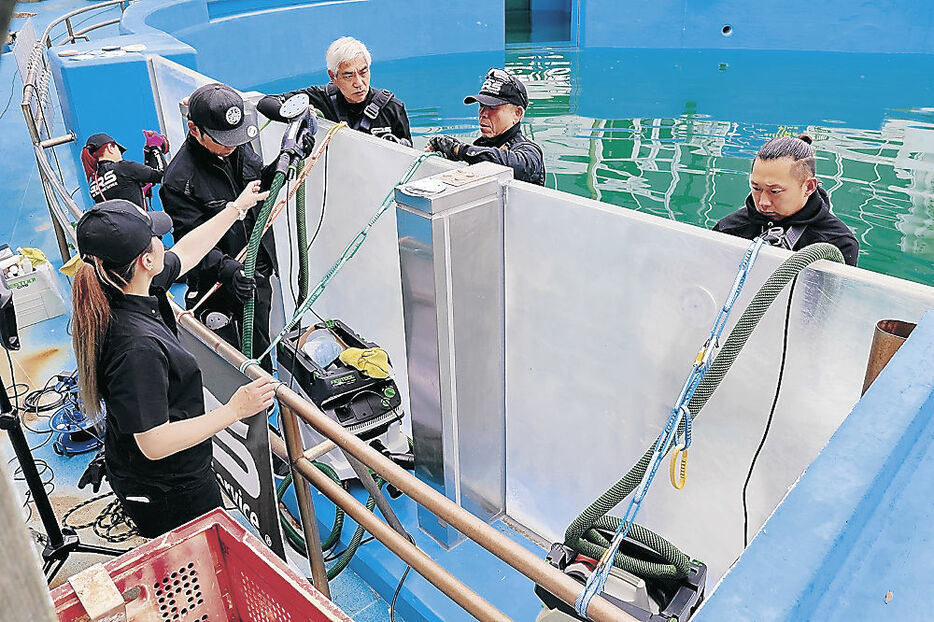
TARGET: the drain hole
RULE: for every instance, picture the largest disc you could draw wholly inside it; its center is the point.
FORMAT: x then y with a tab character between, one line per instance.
727	30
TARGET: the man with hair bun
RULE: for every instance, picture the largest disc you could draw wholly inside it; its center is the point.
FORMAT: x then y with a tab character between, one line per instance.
787	204
349	98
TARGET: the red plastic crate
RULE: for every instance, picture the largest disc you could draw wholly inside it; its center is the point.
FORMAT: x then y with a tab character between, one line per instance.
211	569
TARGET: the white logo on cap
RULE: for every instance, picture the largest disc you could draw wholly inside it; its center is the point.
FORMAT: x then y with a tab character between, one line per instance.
251	131
233	116
492	85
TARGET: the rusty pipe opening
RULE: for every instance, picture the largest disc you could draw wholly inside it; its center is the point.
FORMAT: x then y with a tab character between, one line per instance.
887	338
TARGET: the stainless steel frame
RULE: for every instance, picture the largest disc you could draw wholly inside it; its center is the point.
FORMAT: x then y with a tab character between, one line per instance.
451	253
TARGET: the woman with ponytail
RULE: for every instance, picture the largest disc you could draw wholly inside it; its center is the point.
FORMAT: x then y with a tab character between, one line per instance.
112	177
157	443
787	204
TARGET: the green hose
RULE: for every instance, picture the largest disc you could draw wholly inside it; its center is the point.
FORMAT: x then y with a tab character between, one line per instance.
301	233
582	536
249	266
356	539
294	536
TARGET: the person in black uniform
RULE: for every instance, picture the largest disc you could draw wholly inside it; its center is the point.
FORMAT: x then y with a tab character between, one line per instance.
211	168
157	440
503	101
349	98
787	204
111	177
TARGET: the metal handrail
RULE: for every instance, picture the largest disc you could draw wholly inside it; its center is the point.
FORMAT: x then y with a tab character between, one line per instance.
526	562
513	553
35	91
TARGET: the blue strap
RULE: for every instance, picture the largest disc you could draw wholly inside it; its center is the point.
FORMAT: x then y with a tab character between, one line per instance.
669	436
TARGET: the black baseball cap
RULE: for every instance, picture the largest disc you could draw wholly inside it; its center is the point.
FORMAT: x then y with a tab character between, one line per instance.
118	231
96	141
218	109
500	87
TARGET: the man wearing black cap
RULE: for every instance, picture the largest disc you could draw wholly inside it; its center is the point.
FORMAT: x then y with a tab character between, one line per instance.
213	166
112	177
503	100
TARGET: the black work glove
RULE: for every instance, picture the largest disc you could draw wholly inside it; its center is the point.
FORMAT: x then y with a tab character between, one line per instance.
94	474
303	144
448	146
232	276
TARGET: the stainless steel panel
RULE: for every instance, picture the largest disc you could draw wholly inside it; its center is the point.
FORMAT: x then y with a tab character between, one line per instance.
452	263
605	310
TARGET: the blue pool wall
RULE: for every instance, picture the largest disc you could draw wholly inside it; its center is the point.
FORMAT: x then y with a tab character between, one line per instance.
250	43
851	541
875	26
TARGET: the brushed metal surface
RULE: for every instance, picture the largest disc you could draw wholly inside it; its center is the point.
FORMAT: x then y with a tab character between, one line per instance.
451	254
604	314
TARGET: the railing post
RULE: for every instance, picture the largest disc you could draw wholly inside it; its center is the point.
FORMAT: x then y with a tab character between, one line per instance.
306	508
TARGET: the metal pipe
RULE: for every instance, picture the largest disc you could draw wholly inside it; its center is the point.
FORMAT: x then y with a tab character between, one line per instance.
45	38
363	474
58	140
319	450
887	338
84	31
514	554
306	505
433	572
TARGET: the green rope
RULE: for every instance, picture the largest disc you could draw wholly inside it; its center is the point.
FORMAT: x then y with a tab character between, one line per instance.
249	266
350	250
581	535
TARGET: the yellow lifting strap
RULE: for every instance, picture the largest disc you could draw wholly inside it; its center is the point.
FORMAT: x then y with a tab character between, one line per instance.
676	481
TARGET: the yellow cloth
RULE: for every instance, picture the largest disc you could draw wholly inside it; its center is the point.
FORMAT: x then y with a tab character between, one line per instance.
374	362
70	269
34	255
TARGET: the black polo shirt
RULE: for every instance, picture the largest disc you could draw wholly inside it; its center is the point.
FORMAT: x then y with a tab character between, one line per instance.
147	378
122	180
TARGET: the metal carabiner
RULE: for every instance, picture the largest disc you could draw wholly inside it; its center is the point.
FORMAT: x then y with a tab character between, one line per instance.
679	480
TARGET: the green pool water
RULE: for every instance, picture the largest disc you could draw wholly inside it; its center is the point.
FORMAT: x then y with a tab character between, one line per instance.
673	132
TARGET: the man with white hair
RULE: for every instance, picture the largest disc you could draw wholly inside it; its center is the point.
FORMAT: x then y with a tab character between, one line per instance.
349	98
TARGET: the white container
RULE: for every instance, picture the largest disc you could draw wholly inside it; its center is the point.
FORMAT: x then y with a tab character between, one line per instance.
36	296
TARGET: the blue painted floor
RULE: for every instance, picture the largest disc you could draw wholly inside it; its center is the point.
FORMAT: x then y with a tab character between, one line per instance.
25	222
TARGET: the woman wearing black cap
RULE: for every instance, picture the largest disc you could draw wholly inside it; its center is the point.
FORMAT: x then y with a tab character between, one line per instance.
112	177
157	444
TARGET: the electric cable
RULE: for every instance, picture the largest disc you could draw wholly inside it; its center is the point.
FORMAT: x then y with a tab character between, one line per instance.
12	90
111	523
42	466
395	595
768	423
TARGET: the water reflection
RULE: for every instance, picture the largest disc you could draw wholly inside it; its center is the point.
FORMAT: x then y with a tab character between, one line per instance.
673	132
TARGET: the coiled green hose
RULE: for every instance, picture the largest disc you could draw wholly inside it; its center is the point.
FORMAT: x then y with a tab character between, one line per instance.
581	534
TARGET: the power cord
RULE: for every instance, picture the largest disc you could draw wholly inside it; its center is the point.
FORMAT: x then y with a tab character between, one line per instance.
768	423
111	524
395	595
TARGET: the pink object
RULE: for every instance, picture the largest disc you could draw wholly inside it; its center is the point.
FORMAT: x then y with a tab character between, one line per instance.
209	569
157	140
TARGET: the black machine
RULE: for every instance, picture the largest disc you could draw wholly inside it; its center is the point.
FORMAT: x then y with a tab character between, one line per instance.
61	542
365	405
647	600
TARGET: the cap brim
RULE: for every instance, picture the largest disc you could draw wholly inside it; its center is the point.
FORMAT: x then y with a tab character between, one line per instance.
235	137
120	147
486	100
161	223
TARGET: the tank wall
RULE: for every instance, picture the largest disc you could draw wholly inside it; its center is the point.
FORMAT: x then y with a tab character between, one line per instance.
888	26
250	43
605	311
